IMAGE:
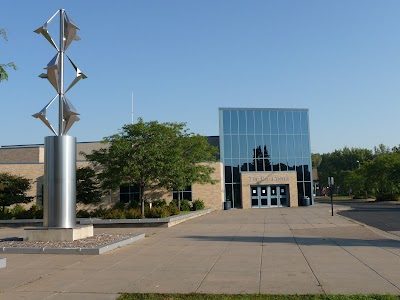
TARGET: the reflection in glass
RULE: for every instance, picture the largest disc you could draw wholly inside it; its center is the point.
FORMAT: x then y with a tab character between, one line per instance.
250	121
281	122
227	121
258	122
306	145
304	122
244	166
275	164
298	146
228	174
267	165
300	191
307	186
242	122
251	148
227	146
273	115
282	146
252	166
266	122
234	122
290	146
267	145
296	122
235	146
243	146
289	122
275	146
228	192
299	169
259	145
259	165
236	172
307	169
291	164
237	196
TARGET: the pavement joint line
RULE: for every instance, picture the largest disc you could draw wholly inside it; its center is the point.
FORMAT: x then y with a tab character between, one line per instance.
219	256
262	252
305	258
162	265
333	240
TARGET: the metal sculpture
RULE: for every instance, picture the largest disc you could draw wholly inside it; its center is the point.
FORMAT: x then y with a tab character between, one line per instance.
60	150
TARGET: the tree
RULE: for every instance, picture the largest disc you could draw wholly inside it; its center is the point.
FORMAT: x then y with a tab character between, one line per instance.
347	159
3	67
316	160
145	153
87	186
188	163
13	190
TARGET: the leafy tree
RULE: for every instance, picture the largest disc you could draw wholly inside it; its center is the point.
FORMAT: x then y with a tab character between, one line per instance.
87	186
13	190
187	162
316	160
145	153
381	149
382	174
3	67
347	159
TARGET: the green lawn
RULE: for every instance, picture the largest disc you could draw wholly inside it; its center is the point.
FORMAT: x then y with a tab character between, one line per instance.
252	297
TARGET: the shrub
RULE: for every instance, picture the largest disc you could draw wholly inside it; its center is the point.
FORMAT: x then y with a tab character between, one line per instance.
198	204
387	197
157	212
115	214
83	214
133	213
185	205
119	205
173	209
6	215
36	212
19	212
159	203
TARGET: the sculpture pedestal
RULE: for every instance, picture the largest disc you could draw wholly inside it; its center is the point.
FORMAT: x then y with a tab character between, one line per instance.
47	234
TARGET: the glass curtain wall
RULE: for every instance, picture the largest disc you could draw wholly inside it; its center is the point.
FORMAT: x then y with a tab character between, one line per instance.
262	140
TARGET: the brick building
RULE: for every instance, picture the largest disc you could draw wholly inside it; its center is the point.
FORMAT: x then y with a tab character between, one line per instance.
265	161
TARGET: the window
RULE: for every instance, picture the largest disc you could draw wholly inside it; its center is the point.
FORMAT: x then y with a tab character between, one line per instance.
185	194
129	193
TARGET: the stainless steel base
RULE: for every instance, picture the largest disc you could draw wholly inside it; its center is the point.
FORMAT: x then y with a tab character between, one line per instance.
59	197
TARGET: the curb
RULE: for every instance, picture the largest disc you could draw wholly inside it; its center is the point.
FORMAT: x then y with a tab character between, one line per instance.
104	223
79	251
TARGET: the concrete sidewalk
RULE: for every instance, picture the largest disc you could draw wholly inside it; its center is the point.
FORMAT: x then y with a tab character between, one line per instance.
280	251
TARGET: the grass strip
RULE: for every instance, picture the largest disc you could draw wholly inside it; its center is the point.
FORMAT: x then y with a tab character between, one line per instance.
252	297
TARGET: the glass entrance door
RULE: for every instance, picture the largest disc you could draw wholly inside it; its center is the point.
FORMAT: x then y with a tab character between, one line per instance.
269	196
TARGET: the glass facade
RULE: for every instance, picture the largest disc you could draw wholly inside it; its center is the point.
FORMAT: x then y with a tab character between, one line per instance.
264	140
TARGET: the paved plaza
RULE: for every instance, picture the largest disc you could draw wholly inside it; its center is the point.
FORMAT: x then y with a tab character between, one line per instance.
278	251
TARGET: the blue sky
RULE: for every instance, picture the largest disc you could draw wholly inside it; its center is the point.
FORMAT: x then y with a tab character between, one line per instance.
184	59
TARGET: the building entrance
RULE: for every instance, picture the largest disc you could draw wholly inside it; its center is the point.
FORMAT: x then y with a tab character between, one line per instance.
263	196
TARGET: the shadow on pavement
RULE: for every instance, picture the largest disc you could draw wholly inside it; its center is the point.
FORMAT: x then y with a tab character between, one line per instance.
299	240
